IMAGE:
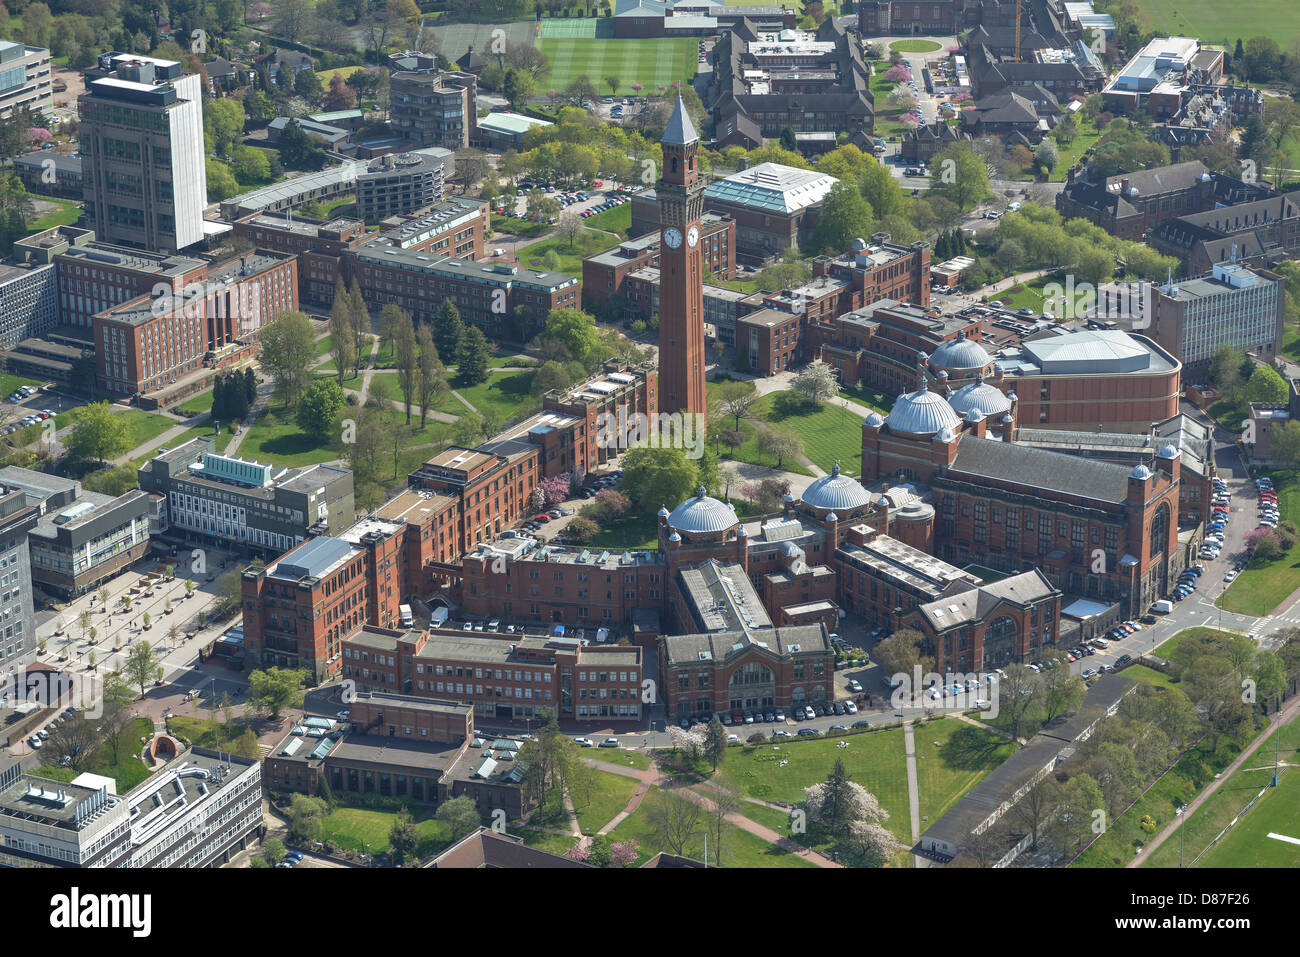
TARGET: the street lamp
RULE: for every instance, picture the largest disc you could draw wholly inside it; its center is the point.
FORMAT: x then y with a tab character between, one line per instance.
1181	811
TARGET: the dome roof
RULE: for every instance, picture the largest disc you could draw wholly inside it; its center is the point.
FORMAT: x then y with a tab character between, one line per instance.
875	420
836	491
921	413
702	514
981	396
974	416
1168	452
663	511
1140	472
960	353
832	517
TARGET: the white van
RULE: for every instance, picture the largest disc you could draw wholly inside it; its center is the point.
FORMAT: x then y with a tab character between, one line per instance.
440	616
1163	607
404	613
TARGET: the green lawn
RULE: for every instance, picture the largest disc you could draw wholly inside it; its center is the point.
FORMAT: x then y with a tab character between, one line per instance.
632	759
629	531
608	797
1149	676
219	441
1261	587
617	220
1216	22
951	758
1070	153
67	213
1240	847
650	62
10	382
1291	342
199	403
559	844
874	759
569	256
514	226
888	121
741	849
830	433
915	46
873	400
356	828
276	437
506	393
1027	295
128	773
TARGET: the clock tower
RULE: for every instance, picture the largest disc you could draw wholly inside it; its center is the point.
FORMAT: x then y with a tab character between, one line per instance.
680	192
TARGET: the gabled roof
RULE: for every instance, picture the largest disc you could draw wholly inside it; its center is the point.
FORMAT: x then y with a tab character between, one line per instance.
983	459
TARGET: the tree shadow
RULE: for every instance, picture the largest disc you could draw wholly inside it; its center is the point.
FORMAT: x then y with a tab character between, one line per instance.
970	749
788	405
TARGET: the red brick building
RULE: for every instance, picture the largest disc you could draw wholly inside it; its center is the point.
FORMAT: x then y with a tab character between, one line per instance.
150	342
603	274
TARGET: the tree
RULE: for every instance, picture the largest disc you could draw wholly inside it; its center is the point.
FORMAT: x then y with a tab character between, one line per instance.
273	852
1265	386
318	408
853	817
900	654
1059	690
99	433
1046	155
341	96
1017	691
545	756
845	215
654	477
403	838
1285	444
780	445
517	87
306	817
359	316
1036	800
582	528
343	339
431	383
577	331
275	689
472	357
1072	814
73	743
404	350
715	743
141	664
673	820
288	349
1225	370
447	330
788	141
961	176
816	382
223	124
735	399
722	804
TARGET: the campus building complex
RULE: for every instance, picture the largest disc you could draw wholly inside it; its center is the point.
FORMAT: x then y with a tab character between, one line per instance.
24	78
430	107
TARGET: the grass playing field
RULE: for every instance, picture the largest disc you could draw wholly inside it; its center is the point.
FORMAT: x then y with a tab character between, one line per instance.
1214	21
651	63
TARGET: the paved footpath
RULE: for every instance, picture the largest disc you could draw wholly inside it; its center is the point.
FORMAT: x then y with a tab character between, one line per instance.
913	792
1288	714
654	778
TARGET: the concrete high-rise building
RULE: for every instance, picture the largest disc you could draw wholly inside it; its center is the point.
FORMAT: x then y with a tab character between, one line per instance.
1232	306
24	78
681	288
428	106
142	146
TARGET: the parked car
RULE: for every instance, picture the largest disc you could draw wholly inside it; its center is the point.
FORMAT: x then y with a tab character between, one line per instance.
609	743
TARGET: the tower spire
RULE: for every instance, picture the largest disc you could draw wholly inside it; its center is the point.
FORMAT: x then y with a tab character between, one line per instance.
680	130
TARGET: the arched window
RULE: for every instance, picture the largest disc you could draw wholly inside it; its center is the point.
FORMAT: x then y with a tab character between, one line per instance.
1000	641
1160	530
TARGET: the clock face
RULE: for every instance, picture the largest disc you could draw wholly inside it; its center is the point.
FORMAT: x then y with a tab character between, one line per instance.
673	237
693	237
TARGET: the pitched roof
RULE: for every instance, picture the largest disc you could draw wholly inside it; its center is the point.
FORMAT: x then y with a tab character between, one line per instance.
1041	469
963	602
680	131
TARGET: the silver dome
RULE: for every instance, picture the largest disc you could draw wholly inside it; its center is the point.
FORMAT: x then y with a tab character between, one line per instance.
702	514
1168	452
981	396
663	511
1140	472
960	353
674	537
832	517
947	435
875	420
921	413
836	491
974	416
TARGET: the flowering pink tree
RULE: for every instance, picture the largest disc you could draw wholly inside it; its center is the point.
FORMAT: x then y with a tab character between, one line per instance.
963	97
614	501
38	135
553	95
910	122
1253	538
749	491
556	488
262	10
898	74
661	88
623	853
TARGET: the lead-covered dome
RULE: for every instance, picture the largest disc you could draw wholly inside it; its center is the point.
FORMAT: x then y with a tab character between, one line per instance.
702	514
960	353
921	413
836	491
988	399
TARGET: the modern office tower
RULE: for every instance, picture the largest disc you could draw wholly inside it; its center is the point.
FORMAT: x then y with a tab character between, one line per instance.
142	145
24	78
17	615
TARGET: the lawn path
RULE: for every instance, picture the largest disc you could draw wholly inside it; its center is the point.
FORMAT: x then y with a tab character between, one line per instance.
656	778
913	792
